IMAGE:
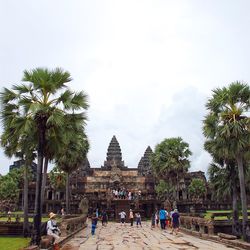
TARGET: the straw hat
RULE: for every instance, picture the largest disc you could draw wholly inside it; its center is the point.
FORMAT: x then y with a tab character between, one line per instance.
52	215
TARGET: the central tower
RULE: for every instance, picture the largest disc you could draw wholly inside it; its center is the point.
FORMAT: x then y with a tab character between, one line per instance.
114	155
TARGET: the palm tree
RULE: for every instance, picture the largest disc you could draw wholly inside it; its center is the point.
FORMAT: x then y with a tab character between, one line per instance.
73	152
224	181
23	148
223	170
170	160
42	102
54	142
228	109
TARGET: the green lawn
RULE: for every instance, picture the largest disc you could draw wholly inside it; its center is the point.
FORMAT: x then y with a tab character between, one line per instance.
209	214
30	220
13	243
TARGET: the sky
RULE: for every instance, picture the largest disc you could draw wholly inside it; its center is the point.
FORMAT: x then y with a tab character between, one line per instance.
148	67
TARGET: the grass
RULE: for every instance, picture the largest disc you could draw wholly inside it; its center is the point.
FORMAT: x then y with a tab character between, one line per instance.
209	214
13	243
21	220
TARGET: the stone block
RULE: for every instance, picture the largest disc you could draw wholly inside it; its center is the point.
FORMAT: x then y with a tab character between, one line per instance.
31	248
214	237
197	234
204	236
227	236
46	241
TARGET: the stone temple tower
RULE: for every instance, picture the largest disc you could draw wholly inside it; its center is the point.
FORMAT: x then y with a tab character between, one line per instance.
114	155
144	166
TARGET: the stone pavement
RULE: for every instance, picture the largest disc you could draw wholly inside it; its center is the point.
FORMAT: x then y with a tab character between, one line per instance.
118	237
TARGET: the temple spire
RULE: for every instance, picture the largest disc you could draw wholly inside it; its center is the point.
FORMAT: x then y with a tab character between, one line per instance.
114	155
144	166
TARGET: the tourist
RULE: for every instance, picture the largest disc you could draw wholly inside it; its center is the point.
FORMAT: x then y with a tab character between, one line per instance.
157	217
52	228
62	212
122	216
138	219
116	194
175	221
131	217
139	194
9	216
170	217
104	218
153	220
129	195
94	220
163	217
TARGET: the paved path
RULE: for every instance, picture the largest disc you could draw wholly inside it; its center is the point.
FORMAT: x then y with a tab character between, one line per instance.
118	237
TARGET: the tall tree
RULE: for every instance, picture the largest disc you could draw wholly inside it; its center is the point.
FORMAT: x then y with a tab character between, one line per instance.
224	182
170	160
73	152
42	102
228	109
223	171
22	147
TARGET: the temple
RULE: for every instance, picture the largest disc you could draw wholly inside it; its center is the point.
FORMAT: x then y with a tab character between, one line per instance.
100	185
114	186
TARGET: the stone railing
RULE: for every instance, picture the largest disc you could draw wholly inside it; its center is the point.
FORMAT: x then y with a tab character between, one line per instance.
197	224
71	225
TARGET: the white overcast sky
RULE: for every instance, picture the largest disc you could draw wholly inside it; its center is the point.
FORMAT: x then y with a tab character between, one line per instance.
147	66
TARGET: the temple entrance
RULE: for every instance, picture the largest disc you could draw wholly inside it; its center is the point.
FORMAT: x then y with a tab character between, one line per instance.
116	185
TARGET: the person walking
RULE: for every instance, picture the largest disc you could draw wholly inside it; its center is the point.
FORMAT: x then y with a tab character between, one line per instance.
9	216
52	228
131	217
157	218
138	219
175	221
122	216
153	220
94	220
104	218
163	217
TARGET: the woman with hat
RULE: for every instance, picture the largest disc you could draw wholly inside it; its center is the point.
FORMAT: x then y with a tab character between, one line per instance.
52	228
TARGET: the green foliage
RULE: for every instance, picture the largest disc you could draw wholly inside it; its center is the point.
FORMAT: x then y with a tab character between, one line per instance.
10	187
164	190
170	158
13	243
197	188
57	178
227	132
227	120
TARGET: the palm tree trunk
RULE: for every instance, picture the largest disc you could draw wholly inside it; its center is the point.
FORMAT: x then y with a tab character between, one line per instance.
38	214
235	227
25	202
242	195
45	168
67	193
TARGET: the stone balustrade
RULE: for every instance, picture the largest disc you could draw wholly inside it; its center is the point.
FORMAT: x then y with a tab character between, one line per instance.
71	225
197	224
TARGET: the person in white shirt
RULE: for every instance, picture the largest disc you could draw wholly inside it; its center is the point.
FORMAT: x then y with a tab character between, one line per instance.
52	228
123	216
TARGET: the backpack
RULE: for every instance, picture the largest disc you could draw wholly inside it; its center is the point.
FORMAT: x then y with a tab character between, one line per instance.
44	228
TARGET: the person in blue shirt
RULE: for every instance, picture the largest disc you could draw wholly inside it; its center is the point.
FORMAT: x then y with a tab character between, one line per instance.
163	216
94	220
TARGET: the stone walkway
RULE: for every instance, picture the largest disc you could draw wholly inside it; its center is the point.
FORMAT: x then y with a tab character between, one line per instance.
118	237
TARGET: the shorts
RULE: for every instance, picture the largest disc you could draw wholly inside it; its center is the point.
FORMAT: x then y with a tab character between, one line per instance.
176	225
123	220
